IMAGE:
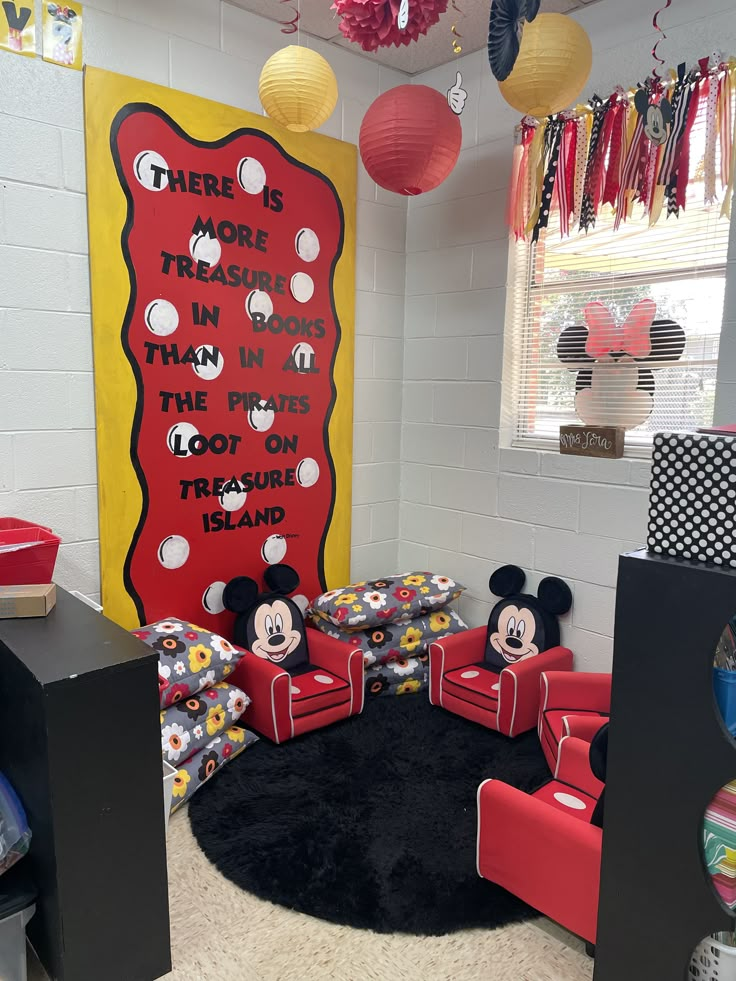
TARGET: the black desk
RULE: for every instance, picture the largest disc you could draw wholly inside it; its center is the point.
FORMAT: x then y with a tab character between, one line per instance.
81	745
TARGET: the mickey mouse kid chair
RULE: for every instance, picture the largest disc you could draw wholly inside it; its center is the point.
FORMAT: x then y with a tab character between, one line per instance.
298	680
573	704
490	675
546	847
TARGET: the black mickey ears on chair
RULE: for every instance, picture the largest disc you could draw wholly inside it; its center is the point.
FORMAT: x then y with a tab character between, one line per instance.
240	594
507	581
554	595
281	579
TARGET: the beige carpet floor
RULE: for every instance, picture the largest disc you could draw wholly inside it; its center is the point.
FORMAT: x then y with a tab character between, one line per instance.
220	933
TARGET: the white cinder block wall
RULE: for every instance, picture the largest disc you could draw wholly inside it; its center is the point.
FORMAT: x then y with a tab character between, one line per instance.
467	503
47	439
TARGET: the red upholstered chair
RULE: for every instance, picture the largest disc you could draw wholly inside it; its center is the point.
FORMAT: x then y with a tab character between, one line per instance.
297	679
572	704
546	847
285	705
490	675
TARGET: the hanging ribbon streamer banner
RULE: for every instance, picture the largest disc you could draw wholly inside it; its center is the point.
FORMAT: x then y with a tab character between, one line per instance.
607	154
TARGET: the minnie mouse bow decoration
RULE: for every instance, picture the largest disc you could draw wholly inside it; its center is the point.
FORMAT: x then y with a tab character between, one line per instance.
605	337
505	27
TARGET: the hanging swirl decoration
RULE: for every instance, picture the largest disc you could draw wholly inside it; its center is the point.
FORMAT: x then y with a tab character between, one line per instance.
456	46
290	26
655	24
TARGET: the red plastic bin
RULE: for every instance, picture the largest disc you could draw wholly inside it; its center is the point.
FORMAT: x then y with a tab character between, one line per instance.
30	565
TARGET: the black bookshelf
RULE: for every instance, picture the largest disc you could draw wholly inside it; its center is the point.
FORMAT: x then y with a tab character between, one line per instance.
669	753
82	746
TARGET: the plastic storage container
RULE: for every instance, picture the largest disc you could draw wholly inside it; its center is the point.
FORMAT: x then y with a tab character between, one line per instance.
17	906
169	774
724	686
713	961
34	561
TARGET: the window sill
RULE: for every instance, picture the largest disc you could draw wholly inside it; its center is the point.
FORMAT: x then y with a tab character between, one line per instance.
551	447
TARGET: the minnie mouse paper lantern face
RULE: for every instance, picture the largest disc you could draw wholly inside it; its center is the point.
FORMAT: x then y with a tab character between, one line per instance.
614	365
269	624
522	625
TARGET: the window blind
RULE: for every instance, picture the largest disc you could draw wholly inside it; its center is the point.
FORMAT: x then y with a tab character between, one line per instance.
679	263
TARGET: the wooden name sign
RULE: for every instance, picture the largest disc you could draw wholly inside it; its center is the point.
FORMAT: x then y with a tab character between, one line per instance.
599	441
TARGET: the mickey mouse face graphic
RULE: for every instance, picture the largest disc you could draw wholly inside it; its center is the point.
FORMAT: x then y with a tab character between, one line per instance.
522	625
268	623
657	117
274	633
514	638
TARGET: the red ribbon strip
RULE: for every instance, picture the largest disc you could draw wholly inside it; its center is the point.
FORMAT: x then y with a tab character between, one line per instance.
655	25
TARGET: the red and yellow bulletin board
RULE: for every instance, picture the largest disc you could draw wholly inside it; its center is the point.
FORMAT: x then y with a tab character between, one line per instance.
222	251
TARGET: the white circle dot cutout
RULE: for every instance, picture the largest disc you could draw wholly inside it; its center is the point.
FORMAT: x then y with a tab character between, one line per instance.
306	244
307	472
210	369
495	687
295	690
184	431
143	169
303	357
212	600
323	679
233	500
258	301
273	549
173	552
302	287
470	674
301	601
204	248
261	419
567	800
161	317
251	175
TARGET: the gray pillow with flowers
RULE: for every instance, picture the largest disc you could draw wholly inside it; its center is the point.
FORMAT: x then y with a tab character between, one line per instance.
377	602
190	658
191	723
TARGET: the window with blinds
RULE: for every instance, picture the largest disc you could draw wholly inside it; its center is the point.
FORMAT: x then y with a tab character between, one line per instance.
679	263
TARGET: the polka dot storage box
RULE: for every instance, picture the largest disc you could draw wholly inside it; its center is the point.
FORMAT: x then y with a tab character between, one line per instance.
692	504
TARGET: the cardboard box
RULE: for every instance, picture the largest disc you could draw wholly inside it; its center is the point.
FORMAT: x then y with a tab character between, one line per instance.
26	601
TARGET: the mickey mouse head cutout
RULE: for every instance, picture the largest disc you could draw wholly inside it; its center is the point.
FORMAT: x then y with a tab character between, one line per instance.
611	387
268	623
657	116
522	625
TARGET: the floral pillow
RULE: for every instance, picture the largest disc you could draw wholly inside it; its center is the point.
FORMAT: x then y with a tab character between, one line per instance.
381	601
388	641
404	676
187	726
199	768
190	658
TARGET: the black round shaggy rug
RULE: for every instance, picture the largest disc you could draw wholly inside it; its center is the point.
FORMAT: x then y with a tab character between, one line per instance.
370	822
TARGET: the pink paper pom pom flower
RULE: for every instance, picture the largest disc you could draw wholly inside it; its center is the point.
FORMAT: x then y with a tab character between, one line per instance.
373	23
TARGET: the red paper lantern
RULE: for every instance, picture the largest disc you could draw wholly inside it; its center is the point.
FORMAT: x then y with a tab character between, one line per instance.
410	139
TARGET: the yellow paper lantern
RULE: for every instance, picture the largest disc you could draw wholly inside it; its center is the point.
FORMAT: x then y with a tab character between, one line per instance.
298	88
552	68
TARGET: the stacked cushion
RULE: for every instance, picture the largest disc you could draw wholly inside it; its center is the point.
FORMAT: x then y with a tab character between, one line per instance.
392	621
198	706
